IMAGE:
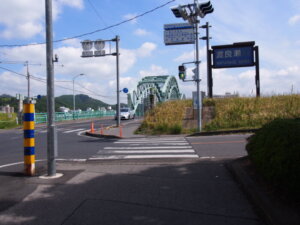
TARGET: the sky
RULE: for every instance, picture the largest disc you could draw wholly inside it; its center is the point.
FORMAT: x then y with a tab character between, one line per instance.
273	25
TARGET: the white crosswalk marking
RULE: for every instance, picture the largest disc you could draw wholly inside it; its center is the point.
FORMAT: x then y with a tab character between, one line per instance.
71	131
147	148
63	130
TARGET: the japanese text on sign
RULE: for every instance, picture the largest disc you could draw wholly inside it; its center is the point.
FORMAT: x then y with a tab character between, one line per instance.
238	56
179	33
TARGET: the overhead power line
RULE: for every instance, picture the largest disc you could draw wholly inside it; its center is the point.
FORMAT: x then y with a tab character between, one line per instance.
92	32
66	88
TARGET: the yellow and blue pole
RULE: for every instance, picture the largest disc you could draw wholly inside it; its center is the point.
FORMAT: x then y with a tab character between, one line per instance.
29	142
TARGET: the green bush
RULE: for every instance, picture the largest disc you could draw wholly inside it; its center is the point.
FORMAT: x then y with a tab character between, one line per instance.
275	152
175	129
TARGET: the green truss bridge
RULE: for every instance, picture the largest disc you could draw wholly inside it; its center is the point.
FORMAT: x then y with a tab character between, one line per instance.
153	89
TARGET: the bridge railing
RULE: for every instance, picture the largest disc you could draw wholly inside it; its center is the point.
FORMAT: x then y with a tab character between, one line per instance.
62	116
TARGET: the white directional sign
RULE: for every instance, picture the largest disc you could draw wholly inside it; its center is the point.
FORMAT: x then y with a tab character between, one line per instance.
179	33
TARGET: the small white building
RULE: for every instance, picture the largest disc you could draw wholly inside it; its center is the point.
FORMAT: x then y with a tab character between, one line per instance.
63	109
6	109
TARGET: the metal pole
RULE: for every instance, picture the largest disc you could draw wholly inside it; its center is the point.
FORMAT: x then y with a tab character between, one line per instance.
209	76
28	82
118	86
257	82
198	80
73	99
51	135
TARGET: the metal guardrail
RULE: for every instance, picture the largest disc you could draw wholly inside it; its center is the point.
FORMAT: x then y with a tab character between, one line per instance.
62	116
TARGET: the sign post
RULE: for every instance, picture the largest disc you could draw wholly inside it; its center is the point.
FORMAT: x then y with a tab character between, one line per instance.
242	54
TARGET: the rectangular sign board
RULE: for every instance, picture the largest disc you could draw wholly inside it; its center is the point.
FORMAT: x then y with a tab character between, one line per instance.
179	33
227	56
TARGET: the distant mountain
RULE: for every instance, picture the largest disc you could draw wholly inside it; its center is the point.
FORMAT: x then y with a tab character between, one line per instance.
82	102
8	100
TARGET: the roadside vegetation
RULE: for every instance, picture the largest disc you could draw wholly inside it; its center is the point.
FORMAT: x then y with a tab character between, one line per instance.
275	152
7	120
229	114
244	113
165	118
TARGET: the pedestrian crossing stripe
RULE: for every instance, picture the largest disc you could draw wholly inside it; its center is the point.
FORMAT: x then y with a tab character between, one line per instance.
147	148
143	156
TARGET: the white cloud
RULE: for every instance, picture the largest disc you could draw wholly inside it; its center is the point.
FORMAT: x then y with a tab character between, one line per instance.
130	16
190	56
26	18
141	32
154	71
100	72
146	49
72	3
295	19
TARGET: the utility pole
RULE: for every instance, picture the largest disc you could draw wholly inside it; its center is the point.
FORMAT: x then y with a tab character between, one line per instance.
118	80
199	108
51	135
28	82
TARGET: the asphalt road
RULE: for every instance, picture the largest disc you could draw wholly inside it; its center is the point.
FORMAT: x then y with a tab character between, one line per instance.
73	146
70	144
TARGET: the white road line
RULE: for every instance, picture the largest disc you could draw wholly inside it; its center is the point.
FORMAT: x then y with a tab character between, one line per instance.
143	156
71	131
156	147
151	139
148	151
151	142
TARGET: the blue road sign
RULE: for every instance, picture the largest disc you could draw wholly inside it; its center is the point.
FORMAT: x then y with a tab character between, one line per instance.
232	56
125	90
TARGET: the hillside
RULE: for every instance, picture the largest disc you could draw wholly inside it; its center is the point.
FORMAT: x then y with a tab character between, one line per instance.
82	102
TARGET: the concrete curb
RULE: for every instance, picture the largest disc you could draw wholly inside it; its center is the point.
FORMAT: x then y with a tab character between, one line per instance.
102	135
209	133
273	212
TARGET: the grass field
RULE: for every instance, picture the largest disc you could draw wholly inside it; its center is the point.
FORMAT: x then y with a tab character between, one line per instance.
7	120
230	113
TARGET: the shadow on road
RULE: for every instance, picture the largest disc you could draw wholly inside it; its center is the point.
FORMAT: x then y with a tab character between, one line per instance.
198	192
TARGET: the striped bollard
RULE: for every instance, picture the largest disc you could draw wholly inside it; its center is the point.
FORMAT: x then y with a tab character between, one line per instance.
29	144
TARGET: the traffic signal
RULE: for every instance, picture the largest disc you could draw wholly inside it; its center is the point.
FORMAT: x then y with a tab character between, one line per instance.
205	8
181	72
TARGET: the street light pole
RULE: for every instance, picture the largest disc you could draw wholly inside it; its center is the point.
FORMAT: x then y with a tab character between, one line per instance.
74	108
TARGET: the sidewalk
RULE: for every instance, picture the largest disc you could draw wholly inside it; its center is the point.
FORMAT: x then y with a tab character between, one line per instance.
198	192
135	192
